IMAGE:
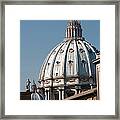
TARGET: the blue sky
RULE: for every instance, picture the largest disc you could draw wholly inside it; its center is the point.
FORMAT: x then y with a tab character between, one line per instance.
38	37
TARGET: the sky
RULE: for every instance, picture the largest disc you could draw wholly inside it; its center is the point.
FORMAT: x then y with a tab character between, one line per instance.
38	37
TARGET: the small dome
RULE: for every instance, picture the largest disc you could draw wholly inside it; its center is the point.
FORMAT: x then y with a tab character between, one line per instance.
35	96
70	62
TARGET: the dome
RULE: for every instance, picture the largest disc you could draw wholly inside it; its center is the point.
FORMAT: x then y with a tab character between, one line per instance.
70	62
35	96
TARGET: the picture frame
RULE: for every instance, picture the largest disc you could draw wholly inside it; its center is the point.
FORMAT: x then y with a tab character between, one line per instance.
70	2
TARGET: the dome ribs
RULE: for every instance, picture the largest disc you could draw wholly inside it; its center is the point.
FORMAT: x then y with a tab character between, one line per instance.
87	57
65	61
77	58
42	73
51	74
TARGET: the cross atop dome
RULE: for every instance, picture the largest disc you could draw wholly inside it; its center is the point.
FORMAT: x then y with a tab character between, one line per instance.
74	29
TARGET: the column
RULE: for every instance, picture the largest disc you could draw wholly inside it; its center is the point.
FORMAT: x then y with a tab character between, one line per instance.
45	95
66	33
60	94
97	79
62	91
74	33
71	33
78	31
91	86
48	94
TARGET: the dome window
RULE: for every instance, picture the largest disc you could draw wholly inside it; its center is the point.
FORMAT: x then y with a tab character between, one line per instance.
54	52
81	50
70	61
48	63
56	74
61	50
90	50
57	62
71	50
94	48
97	51
46	81
83	61
57	81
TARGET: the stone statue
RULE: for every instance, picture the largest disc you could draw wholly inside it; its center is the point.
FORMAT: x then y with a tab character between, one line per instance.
36	95
28	85
33	87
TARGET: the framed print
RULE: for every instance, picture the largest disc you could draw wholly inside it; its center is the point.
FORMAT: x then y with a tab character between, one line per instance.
60	60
